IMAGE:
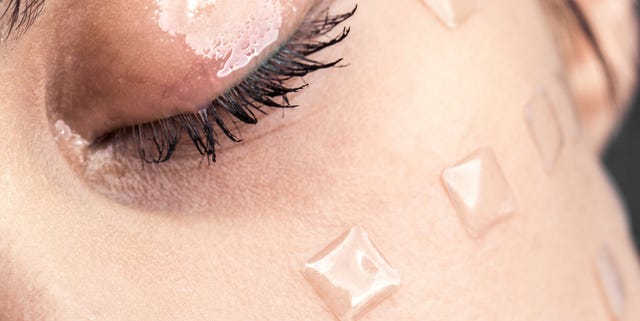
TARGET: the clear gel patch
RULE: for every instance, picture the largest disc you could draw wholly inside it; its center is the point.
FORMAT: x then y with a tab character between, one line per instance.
544	127
351	276
610	283
453	12
479	191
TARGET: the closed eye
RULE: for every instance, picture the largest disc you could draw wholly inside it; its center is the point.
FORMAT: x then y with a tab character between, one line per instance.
268	87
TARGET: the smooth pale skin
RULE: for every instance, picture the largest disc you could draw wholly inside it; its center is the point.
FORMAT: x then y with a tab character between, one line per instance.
366	148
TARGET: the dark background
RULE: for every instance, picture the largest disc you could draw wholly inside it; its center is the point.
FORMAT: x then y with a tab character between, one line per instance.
622	158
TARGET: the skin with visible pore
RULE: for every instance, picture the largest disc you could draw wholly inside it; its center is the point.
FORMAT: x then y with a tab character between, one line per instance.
226	241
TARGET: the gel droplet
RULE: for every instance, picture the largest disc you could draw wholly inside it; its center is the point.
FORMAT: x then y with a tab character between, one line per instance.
208	30
351	276
610	283
453	13
479	191
69	141
544	127
66	134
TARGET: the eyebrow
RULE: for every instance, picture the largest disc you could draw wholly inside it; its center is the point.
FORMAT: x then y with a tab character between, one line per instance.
18	16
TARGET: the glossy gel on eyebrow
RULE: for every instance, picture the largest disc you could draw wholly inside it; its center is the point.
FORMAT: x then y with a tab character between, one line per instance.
453	13
479	191
544	127
207	29
351	276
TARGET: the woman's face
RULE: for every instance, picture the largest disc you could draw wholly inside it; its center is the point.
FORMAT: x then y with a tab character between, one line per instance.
89	230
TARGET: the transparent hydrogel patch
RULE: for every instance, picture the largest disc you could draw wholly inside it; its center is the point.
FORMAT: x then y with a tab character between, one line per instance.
544	127
479	191
351	276
610	283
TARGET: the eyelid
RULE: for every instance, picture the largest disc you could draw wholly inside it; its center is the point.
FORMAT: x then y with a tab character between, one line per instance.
18	16
265	88
115	64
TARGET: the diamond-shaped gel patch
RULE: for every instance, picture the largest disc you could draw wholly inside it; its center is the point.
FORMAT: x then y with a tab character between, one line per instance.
544	127
351	276
479	191
610	283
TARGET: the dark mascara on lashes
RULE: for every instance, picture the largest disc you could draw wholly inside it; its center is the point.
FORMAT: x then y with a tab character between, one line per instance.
16	16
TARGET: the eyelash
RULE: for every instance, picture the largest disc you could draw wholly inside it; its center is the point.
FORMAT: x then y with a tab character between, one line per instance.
266	87
21	15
